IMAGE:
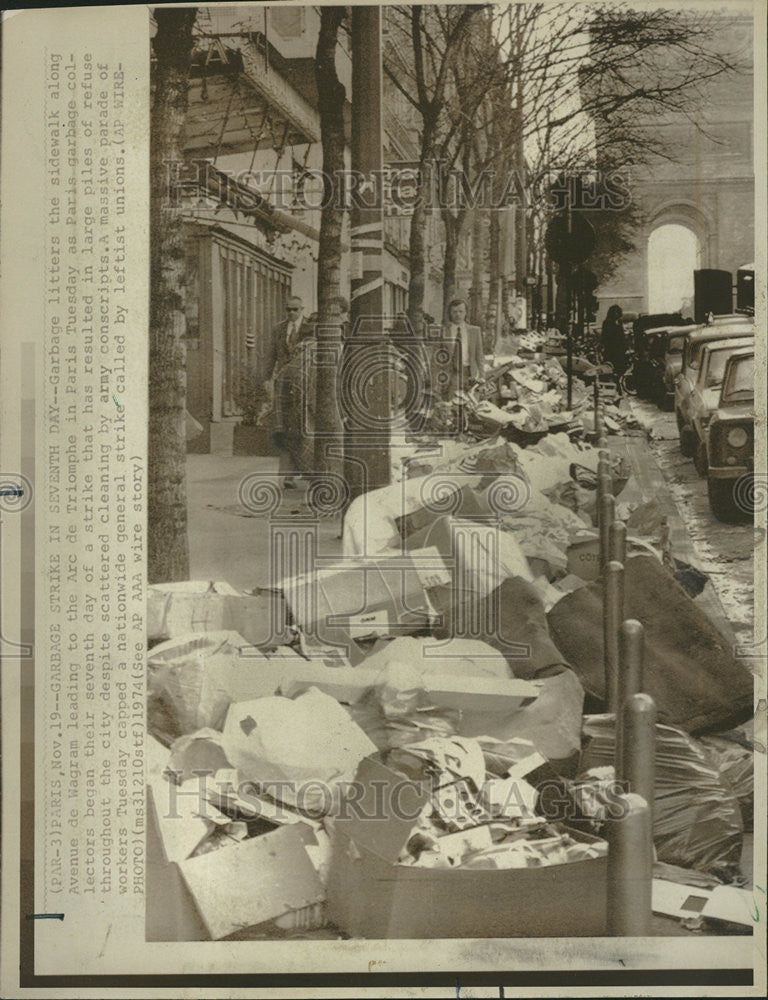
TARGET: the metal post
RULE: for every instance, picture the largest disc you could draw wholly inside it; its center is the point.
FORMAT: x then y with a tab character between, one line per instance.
613	612
630	681
639	747
630	869
606	515
365	368
569	343
617	542
596	404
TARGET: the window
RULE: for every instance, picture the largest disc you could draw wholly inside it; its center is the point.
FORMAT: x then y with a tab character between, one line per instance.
287	21
716	366
740	383
396	301
253	292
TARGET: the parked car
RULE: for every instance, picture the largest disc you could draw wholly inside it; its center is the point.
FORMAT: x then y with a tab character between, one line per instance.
673	363
731	441
655	321
659	360
686	379
706	391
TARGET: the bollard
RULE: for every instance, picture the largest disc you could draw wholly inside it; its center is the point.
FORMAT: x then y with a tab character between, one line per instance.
604	481
613	613
639	747
630	681
606	517
617	542
630	869
604	488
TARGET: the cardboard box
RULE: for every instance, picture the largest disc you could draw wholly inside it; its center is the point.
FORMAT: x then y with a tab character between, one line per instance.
359	599
468	693
463	503
239	887
200	606
230	890
584	558
170	911
480	555
479	694
724	903
371	896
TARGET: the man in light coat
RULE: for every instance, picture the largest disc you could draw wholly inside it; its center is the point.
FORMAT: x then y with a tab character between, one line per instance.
466	345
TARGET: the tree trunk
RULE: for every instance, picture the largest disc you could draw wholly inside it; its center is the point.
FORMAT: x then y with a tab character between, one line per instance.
167	542
494	273
417	259
563	299
331	96
476	316
453	227
417	251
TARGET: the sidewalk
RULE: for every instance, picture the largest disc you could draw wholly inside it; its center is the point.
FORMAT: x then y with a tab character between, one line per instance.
229	542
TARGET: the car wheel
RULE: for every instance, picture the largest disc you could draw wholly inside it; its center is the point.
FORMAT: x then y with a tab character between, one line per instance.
722	501
700	457
687	441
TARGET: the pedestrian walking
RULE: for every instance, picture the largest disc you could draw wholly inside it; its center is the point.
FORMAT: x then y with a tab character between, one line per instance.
612	341
291	370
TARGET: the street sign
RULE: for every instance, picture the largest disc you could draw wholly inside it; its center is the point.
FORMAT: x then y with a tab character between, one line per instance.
569	243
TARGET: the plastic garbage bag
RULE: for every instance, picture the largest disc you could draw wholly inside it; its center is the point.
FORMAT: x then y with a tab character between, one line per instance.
696	815
690	668
512	620
736	764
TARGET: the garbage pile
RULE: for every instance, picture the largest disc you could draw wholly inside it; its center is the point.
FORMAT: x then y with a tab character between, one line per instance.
409	741
524	395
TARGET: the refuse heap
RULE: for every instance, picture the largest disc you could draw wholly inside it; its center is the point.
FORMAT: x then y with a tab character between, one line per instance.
524	394
413	741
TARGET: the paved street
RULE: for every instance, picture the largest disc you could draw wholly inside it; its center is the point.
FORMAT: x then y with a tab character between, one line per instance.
724	551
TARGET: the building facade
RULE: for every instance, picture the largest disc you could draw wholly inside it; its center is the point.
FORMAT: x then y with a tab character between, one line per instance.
251	193
706	187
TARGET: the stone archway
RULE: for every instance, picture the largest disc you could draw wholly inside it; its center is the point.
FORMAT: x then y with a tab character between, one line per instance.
681	232
692	215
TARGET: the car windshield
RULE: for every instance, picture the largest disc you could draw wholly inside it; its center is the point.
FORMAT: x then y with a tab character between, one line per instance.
740	382
714	364
693	349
